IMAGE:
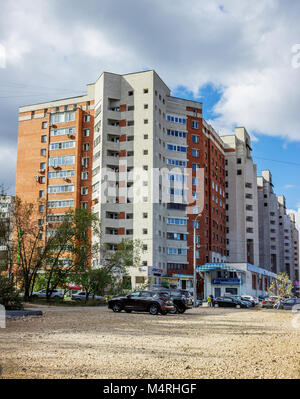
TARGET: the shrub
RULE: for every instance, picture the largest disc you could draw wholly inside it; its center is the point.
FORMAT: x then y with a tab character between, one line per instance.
9	296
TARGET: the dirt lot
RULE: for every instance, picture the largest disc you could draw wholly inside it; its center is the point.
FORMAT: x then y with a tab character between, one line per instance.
202	343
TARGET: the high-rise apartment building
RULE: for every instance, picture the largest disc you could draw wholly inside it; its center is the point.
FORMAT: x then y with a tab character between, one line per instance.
278	235
54	162
241	199
156	144
144	161
268	216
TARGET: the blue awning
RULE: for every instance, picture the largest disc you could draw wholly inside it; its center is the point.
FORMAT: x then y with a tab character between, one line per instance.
209	267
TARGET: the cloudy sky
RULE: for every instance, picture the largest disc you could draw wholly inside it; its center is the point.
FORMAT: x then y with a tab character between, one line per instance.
240	58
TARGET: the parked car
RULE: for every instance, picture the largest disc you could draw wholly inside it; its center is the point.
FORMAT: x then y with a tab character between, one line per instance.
42	294
269	302
245	299
182	299
153	302
230	302
288	304
262	297
251	298
81	296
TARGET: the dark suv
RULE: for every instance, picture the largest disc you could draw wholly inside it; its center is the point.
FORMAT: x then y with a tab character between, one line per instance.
182	299
153	302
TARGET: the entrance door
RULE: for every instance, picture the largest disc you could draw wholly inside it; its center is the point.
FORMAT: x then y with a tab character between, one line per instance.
183	284
217	292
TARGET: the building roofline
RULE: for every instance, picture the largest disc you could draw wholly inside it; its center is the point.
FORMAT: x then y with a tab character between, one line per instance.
52	101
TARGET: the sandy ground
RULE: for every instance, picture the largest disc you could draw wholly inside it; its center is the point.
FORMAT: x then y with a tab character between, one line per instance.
202	343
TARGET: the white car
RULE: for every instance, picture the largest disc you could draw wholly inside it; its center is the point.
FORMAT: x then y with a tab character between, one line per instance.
81	296
42	294
251	298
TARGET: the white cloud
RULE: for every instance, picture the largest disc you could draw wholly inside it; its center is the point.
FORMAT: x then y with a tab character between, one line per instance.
242	48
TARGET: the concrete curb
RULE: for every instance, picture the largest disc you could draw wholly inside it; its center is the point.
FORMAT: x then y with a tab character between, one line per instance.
14	314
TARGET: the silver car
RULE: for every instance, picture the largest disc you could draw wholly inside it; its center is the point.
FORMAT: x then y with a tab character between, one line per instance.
81	296
43	294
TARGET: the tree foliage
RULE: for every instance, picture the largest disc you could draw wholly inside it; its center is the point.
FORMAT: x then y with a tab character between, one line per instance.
281	287
9	296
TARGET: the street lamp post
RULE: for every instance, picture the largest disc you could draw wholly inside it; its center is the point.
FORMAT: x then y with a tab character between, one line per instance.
195	274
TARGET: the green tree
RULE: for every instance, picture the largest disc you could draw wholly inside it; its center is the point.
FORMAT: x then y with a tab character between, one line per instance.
9	296
119	262
72	250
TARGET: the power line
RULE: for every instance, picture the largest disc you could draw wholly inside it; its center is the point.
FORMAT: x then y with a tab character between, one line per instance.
277	160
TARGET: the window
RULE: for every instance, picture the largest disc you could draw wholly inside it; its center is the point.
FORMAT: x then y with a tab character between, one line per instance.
195	153
61	117
145	121
43	152
130	123
42	194
86	132
42	180
146	91
63	160
178	148
85	146
84	205
195	139
145	215
85	162
130	108
176	133
86	118
145	106
61	174
239	172
42	165
145	167
60	204
239	160
176	162
145	152
176	119
68	188
84	175
145	136
195	125
44	139
177	221
61	132
145	231
41	208
62	146
44	125
130	93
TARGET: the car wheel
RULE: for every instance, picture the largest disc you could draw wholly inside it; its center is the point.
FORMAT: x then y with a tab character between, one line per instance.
173	311
164	312
238	306
216	305
153	309
116	307
181	310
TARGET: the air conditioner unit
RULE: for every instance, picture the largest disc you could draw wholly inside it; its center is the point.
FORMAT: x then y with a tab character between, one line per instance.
37	178
41	170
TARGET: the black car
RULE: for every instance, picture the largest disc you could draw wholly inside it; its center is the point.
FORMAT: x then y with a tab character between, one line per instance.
153	302
182	299
230	302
